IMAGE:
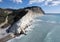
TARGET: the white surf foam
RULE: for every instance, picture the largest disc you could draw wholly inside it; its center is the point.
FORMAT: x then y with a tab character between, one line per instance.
51	21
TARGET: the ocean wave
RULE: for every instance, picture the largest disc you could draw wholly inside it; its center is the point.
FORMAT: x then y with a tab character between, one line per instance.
51	21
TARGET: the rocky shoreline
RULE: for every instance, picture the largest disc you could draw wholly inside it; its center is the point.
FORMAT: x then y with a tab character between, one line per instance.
15	15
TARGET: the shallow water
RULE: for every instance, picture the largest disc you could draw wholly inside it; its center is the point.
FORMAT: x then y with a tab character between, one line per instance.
43	29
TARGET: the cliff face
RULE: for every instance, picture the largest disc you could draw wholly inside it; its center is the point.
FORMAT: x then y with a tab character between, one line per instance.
15	15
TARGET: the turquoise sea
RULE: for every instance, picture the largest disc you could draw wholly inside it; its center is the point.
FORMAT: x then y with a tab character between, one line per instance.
43	29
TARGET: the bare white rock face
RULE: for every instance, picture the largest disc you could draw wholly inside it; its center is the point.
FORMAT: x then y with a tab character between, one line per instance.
25	21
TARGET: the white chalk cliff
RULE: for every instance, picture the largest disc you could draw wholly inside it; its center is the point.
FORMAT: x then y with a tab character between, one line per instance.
20	26
26	20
